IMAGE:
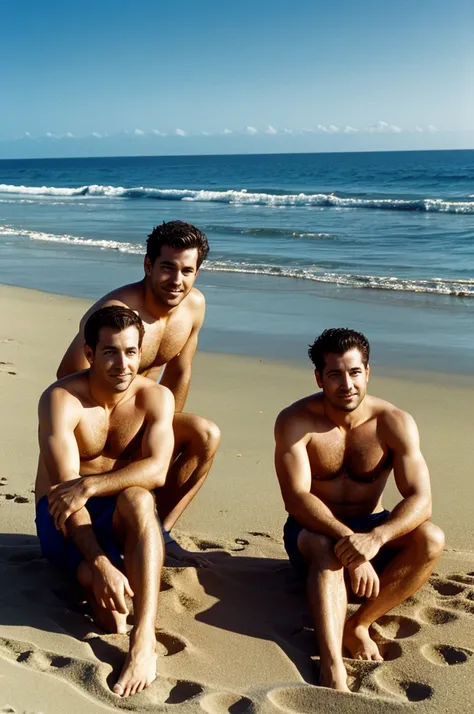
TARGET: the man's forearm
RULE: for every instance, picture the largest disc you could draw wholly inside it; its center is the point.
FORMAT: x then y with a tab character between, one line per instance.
79	527
405	517
177	382
145	473
314	515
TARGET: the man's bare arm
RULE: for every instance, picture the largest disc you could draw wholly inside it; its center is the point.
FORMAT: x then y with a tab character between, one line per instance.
294	474
411	476
59	415
150	471
177	374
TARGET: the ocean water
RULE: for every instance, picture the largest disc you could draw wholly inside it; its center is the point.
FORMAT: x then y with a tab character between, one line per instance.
380	241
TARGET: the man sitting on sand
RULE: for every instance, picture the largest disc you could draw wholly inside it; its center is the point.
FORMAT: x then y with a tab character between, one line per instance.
172	311
106	440
334	453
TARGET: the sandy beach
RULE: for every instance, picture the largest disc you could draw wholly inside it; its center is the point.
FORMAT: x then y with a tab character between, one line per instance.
235	636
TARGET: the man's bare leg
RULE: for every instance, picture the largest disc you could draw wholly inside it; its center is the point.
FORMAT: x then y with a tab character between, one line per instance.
196	442
420	550
135	520
327	598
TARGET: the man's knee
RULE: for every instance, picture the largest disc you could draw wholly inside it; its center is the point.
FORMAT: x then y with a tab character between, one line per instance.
135	501
318	549
207	435
429	539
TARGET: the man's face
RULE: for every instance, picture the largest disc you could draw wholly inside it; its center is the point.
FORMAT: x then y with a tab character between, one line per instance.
344	380
172	275
116	358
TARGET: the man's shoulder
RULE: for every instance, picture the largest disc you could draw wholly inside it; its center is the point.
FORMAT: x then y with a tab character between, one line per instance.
391	418
130	296
302	414
196	302
67	392
149	393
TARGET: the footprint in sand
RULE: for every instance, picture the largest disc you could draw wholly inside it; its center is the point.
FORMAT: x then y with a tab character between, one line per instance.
226	702
7	368
407	690
437	616
465	578
169	644
446	654
396	627
97	676
15	497
446	588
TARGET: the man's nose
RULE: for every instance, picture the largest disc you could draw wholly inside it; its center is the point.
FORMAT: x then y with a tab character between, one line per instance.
347	381
121	360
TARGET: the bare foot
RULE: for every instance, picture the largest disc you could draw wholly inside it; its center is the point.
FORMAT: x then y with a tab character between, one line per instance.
359	643
176	552
334	677
139	670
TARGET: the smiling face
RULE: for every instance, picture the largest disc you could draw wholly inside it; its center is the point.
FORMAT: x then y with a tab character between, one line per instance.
116	358
344	379
172	275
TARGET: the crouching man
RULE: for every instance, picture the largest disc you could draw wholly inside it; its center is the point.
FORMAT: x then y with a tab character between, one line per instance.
334	453
106	440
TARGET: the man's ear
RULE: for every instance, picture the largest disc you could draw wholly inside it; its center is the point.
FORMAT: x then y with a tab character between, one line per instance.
367	372
88	353
318	379
147	266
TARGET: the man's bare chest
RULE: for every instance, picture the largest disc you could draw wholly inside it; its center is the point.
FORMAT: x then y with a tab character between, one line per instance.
358	456
164	340
115	437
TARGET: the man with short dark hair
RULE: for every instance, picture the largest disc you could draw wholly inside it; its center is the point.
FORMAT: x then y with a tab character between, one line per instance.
106	440
334	453
172	311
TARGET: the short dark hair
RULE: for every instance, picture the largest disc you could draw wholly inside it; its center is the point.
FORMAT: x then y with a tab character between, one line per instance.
177	234
115	316
338	340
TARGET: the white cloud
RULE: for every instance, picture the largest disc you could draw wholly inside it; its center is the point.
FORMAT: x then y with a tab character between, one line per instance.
96	135
50	135
139	132
305	130
206	133
157	132
227	131
383	127
271	130
419	129
180	132
28	135
250	130
432	128
288	131
350	130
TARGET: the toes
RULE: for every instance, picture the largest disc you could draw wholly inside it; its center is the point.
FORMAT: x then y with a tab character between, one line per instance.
118	689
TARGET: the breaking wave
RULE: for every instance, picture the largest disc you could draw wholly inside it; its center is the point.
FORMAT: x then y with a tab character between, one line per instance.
244	197
440	286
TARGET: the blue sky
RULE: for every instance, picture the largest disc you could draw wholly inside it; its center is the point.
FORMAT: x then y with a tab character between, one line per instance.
201	77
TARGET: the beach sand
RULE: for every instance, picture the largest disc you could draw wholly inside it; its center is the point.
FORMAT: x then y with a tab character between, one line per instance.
236	636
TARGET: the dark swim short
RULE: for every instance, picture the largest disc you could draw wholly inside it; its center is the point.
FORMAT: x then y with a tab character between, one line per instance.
61	551
363	524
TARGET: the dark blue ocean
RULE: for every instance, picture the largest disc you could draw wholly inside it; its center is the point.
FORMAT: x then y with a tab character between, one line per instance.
382	241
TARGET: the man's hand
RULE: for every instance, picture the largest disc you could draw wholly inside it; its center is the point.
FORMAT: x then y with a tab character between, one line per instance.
357	548
65	499
364	581
110	586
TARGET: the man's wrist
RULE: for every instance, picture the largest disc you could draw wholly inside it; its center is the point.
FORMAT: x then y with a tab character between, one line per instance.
90	486
381	535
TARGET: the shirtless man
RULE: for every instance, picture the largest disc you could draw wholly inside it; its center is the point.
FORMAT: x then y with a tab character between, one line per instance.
106	440
334	453
172	311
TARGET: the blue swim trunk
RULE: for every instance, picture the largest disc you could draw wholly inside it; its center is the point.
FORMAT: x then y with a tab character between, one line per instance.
61	551
362	524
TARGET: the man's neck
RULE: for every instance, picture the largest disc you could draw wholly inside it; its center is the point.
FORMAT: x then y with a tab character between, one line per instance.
347	420
104	397
152	306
